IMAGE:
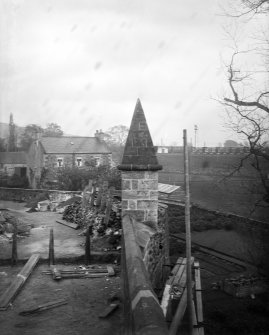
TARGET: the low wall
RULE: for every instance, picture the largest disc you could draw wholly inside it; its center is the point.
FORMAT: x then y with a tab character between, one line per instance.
209	164
25	195
142	309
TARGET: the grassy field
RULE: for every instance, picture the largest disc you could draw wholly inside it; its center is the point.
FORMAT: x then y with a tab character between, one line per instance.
235	195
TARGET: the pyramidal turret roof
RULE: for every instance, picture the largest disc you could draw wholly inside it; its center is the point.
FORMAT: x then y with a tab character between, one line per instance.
139	152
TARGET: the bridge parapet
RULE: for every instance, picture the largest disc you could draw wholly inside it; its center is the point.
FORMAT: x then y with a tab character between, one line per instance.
143	313
144	250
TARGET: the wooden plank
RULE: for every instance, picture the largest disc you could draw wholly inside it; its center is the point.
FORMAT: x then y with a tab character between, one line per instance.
198	293
49	272
165	299
181	308
56	274
177	265
79	275
181	276
68	224
108	310
110	270
179	280
9	295
43	307
194	321
178	275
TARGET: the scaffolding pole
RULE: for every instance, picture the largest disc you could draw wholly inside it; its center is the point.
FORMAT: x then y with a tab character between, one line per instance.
188	232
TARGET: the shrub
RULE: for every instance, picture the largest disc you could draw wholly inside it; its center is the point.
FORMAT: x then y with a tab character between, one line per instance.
17	181
205	164
75	179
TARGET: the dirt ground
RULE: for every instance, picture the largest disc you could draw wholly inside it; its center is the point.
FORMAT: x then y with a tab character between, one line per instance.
86	297
68	244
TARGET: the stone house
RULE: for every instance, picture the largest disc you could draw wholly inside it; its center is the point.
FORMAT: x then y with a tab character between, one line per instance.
13	163
52	153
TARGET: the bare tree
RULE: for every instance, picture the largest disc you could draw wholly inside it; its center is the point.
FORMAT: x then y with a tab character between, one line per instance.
247	7
247	99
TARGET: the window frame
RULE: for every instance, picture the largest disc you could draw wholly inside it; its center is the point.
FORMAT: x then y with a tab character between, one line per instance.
58	161
79	159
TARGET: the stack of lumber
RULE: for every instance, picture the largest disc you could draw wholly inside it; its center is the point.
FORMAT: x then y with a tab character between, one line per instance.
174	300
58	274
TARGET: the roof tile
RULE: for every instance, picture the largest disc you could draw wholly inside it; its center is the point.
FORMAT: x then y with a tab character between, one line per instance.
13	157
71	144
139	152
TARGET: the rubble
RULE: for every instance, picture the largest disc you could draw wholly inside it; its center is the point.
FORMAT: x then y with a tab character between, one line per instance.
33	203
105	218
242	286
7	224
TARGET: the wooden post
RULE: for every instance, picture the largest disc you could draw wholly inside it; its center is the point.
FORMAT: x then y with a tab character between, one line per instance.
14	256
93	195
188	231
51	248
99	196
88	246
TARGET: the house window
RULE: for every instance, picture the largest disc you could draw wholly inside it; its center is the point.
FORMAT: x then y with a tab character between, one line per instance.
59	162
79	162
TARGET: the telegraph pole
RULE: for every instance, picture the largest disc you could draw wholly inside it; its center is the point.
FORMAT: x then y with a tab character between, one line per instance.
195	135
188	231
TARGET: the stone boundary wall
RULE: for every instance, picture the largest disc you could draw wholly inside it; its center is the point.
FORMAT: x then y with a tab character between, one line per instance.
208	164
143	313
25	195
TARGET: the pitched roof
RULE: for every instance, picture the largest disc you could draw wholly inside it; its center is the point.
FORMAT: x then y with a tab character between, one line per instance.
13	157
139	152
73	144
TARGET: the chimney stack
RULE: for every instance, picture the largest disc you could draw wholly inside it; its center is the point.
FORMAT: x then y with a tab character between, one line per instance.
99	134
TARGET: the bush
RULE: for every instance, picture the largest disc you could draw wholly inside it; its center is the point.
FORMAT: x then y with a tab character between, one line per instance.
17	181
3	179
75	179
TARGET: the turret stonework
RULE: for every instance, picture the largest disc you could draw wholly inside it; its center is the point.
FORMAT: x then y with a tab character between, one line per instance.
140	171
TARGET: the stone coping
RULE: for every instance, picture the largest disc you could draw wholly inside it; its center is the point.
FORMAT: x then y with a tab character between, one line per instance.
139	167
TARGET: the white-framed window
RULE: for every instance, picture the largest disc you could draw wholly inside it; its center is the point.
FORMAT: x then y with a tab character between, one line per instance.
60	162
79	161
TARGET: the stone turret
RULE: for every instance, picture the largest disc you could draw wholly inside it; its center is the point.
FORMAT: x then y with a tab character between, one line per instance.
140	171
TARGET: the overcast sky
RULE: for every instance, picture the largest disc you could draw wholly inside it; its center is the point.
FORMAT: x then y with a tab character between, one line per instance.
83	64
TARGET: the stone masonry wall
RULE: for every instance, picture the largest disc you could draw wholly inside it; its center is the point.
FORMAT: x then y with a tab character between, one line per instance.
140	195
156	252
25	195
140	200
50	160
